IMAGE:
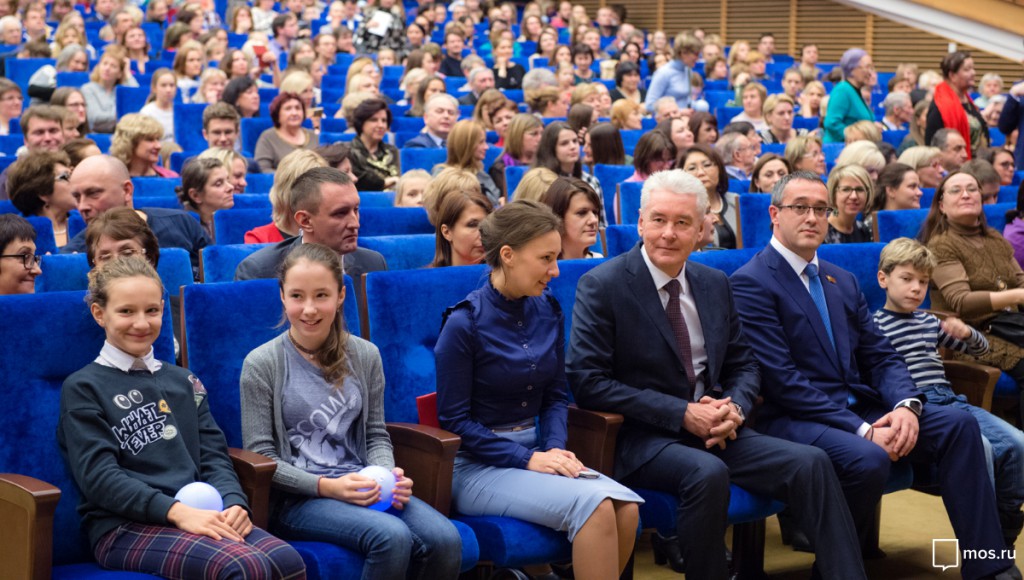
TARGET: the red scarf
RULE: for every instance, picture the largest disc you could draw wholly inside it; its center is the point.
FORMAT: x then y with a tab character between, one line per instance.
952	110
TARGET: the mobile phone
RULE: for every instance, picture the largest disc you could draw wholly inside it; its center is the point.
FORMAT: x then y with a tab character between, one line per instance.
589	474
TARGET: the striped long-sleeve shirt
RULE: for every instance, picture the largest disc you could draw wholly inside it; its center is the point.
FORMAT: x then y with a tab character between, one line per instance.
918	336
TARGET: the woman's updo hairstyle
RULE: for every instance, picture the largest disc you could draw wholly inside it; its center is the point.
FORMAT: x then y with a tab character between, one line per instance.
119	268
332	355
515	225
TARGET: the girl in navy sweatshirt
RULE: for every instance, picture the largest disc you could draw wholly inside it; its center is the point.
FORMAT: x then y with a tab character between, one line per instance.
134	431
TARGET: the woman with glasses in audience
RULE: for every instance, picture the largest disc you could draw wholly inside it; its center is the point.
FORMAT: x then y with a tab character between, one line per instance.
19	264
704	163
1003	162
850	193
846	106
73	100
805	154
927	162
137	143
768	170
580	209
976	276
457	237
897	187
38	185
120	232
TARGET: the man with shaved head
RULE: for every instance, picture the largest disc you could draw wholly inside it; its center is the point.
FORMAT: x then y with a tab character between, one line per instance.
101	182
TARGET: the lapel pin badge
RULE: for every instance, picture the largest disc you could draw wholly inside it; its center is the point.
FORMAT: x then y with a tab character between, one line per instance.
830	278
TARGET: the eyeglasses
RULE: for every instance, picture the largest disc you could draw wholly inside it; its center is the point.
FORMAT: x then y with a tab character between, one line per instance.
64	176
28	260
800	209
810	154
849	190
123	253
955	191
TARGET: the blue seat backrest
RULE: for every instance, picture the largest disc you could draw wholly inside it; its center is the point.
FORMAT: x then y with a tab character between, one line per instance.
629	202
609	176
809	123
513	175
927	195
899	223
894	138
393	221
131	99
376	199
630	137
157	186
407	124
1008	194
162	201
102	140
420	158
230	226
995	215
621	238
6	206
252	127
259	182
563	288
178	158
251	201
72	79
861	260
155	34
754	220
727	261
45	242
776	148
9	144
216	356
219	261
19	70
739	185
405	325
832	151
402	252
68	272
188	126
996	137
44	339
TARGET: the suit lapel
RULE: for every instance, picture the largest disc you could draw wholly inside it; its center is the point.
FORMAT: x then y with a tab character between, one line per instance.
646	294
795	289
711	320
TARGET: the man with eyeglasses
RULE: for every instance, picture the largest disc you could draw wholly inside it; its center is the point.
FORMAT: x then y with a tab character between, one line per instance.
43	130
831	379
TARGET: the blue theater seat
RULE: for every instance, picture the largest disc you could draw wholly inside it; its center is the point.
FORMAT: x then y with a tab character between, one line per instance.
131	99
230	226
68	272
629	202
188	127
250	133
45	241
422	158
9	144
72	79
755	224
393	221
899	223
102	140
157	186
609	176
43	509
402	252
514	175
19	70
217	263
259	182
376	199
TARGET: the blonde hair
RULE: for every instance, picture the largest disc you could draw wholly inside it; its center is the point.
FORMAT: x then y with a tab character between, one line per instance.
535	184
773	101
463	139
356	80
204	80
357	67
119	268
296	82
225	156
797	147
583	92
116	52
857	172
405	180
131	129
863	153
291	167
621	110
918	157
868	130
906	252
449	180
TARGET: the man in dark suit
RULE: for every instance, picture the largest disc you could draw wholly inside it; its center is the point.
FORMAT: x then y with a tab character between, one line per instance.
832	380
326	206
658	340
439	114
479	80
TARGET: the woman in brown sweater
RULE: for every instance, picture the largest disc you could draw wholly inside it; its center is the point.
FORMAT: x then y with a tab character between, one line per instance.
976	275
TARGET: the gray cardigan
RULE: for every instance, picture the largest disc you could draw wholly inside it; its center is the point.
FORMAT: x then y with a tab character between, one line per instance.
265	373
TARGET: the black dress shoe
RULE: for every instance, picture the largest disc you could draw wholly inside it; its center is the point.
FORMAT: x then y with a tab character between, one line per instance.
667	551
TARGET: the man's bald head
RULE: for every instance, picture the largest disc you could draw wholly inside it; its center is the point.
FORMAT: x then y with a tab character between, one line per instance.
99	183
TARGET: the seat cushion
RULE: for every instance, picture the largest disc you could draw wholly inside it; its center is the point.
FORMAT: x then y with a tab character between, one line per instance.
511	543
90	571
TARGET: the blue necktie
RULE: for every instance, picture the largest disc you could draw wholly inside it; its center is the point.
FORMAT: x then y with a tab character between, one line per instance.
818	296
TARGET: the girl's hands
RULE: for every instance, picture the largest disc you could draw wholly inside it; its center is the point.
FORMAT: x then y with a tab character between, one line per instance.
347	489
205	522
403	489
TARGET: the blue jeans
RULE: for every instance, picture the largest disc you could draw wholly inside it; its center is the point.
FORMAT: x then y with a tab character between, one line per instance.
1003	442
417	542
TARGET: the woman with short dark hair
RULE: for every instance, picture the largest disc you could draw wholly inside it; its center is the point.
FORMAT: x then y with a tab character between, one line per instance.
243	94
287	111
628	84
654	152
580	209
374	162
39	185
704	163
952	106
19	264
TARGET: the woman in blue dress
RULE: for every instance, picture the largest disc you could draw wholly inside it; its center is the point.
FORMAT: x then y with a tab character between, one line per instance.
502	388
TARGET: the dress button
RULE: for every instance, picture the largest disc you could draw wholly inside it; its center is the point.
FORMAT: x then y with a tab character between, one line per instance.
524	403
526	346
520	323
533	367
529	387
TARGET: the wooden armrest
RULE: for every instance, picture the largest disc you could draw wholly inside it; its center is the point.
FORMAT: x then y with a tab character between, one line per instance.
976	381
427	454
255	473
26	533
592	437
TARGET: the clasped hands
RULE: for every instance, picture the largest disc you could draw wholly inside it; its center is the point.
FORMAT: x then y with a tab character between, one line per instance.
713	420
895	432
232	523
365	491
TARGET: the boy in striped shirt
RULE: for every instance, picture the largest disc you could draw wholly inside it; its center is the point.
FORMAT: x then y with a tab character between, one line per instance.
904	270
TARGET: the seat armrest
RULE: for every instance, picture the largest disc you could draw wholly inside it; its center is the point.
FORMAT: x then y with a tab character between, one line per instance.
26	525
976	381
592	437
255	473
427	455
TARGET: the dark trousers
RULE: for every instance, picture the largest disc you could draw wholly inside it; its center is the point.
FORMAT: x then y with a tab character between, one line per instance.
949	438
799	475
